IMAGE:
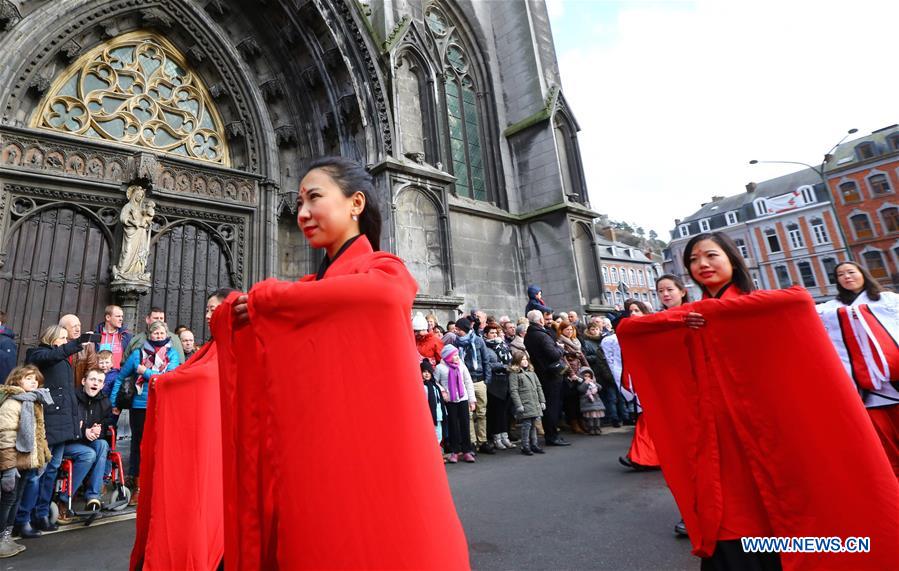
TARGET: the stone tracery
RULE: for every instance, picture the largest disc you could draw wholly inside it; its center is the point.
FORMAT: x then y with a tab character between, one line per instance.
136	89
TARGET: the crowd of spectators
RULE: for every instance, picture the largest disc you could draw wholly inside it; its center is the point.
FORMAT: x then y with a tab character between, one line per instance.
491	384
496	383
64	403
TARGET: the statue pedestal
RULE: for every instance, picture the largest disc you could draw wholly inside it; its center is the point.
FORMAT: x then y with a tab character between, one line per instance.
128	294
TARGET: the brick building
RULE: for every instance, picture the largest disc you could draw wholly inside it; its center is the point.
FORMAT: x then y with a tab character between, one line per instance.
627	272
864	175
785	229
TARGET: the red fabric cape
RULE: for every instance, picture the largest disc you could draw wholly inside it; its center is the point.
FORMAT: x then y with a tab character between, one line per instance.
179	516
759	430
330	458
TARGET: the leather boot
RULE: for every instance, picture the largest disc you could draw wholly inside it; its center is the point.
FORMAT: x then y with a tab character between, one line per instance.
504	437
135	492
498	442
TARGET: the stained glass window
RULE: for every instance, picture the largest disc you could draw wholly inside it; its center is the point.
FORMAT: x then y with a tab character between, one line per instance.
136	89
462	107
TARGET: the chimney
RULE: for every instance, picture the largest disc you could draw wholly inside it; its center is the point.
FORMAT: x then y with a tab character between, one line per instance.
677	221
750	187
717	198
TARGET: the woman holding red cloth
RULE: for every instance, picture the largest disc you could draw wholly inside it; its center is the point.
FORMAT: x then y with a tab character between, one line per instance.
714	262
863	323
301	490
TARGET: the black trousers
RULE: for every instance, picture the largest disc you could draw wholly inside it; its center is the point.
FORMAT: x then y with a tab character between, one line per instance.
552	392
571	400
136	418
459	434
729	556
497	415
9	502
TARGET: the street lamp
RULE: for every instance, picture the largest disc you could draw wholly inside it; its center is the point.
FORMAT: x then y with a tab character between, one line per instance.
819	170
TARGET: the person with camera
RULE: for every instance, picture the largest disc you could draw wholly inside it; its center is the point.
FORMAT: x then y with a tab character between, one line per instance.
61	418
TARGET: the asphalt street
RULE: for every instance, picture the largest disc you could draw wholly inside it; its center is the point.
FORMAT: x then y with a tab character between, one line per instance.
572	508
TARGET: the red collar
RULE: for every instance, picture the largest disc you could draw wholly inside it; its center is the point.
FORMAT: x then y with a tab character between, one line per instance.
344	259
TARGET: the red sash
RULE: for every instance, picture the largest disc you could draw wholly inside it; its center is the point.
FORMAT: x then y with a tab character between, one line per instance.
884	353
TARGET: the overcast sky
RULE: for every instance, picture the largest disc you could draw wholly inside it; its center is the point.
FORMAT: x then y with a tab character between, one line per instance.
674	97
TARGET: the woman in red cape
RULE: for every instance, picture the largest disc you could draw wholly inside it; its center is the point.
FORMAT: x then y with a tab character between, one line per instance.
642	454
756	453
179	518
329	452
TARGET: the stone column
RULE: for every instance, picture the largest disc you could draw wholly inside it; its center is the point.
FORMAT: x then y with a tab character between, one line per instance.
128	294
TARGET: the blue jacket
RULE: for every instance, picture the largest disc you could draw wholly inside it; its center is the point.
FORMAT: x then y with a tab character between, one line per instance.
533	302
129	369
8	352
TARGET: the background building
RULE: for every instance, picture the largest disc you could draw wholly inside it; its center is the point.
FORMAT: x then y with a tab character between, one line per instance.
627	272
214	108
862	175
785	228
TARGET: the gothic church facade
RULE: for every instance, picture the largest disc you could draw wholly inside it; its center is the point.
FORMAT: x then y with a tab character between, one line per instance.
213	107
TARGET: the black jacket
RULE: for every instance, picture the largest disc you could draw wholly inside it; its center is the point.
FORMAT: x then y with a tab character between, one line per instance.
61	417
93	410
8	352
597	361
500	357
542	349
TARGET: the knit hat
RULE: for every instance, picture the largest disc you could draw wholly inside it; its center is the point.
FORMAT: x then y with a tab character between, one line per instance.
427	366
419	323
448	351
463	324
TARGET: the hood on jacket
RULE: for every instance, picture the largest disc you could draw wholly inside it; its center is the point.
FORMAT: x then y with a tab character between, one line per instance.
582	370
11	390
533	290
4	330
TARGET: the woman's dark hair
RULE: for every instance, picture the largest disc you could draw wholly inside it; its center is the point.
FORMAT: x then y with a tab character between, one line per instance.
643	307
872	288
741	278
678	283
352	177
222	293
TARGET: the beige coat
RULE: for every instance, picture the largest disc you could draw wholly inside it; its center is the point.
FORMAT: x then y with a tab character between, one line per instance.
9	425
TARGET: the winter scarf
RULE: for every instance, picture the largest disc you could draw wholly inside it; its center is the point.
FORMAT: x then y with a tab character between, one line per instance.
571	345
434	399
454	381
466	344
155	354
501	349
25	434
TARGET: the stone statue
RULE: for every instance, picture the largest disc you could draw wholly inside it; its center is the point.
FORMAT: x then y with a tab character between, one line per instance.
137	216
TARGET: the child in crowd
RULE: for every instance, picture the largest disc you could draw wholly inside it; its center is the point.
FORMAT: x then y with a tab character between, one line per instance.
23	444
453	377
591	405
436	398
527	401
95	414
104	362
